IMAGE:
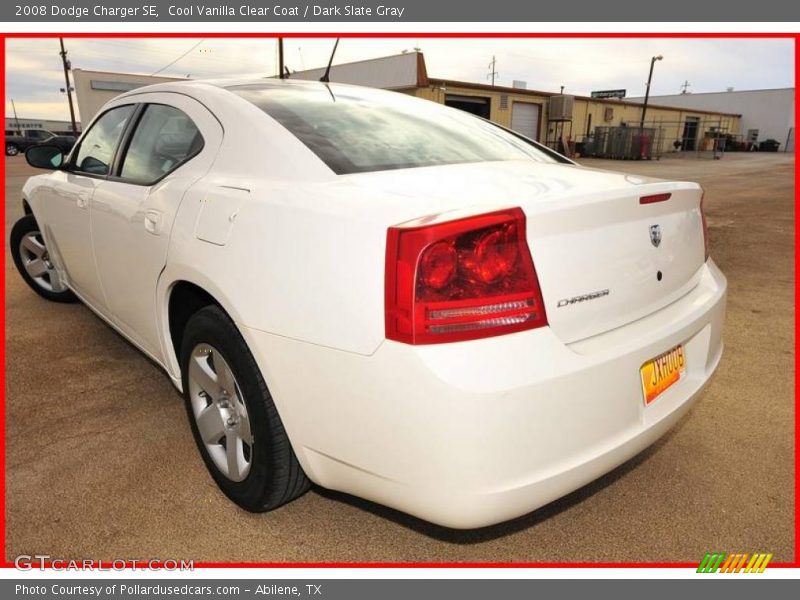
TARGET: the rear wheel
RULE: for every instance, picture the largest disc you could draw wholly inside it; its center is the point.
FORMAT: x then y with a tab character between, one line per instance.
33	261
11	150
233	418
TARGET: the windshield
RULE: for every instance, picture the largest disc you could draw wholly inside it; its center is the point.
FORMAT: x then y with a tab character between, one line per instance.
357	130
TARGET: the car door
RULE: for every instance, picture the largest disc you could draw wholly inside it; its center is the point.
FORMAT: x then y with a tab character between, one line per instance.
66	210
172	144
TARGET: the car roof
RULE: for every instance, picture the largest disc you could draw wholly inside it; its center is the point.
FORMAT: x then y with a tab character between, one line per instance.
222	85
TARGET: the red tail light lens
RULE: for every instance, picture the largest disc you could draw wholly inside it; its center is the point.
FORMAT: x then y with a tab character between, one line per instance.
705	225
461	280
655	198
438	265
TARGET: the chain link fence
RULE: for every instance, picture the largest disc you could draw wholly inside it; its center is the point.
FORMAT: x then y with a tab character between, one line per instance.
692	137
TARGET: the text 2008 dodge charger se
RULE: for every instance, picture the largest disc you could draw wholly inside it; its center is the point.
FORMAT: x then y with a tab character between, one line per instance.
379	294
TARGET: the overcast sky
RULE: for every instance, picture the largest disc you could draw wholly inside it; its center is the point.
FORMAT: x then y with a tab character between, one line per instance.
34	75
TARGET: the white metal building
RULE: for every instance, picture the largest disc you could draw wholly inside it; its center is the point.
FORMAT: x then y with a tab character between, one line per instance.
765	114
397	72
94	88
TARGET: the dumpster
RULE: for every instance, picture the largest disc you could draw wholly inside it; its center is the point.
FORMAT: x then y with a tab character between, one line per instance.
642	142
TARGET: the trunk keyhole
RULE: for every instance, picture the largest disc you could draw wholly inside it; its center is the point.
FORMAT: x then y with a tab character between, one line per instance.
659	275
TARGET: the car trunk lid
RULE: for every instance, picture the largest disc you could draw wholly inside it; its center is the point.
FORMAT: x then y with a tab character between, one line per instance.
603	257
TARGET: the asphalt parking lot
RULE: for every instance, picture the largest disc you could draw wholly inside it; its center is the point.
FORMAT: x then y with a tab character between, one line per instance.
100	461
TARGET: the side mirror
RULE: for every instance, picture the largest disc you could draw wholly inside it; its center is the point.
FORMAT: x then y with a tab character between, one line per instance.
45	157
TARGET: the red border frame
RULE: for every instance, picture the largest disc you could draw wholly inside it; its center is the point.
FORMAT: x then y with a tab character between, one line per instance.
608	565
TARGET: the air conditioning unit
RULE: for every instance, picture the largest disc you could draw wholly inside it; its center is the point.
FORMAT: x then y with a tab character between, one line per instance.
560	108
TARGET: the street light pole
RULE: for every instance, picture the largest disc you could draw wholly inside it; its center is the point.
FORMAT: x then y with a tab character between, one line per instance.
647	91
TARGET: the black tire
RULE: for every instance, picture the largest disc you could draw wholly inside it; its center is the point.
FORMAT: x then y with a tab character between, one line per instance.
12	150
275	476
25	227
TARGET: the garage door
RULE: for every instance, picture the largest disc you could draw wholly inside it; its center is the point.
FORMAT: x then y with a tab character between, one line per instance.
472	104
525	119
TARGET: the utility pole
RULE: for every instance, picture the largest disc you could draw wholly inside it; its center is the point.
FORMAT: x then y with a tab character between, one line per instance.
685	87
16	119
493	72
68	89
281	73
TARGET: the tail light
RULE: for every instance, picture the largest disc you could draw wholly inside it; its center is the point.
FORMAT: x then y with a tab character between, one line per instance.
461	280
705	224
655	198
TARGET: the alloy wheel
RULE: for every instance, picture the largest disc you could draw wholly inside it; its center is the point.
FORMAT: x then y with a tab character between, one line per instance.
220	412
36	261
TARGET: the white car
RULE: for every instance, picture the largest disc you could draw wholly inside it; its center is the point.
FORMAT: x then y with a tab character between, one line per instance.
379	294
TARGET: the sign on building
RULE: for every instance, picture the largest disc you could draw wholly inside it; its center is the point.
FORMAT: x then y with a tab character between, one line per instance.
609	94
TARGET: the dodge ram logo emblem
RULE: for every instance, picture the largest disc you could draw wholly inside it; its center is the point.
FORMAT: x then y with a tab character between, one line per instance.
655	235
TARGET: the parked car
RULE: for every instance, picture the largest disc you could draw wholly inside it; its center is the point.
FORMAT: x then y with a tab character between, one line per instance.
769	145
30	137
380	294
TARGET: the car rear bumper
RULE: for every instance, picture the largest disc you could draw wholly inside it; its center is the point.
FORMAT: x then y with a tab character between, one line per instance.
474	433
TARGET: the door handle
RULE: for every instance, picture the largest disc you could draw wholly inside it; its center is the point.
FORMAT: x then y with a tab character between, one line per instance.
83	201
152	221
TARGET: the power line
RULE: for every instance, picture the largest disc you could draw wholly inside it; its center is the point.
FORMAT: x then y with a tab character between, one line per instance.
177	59
138	48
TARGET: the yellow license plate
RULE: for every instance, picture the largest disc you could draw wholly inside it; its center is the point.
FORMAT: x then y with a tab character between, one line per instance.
662	372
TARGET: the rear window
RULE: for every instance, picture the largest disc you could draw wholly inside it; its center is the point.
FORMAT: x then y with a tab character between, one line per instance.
357	130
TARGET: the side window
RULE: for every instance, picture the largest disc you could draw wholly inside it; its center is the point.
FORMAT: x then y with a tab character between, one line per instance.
97	147
164	139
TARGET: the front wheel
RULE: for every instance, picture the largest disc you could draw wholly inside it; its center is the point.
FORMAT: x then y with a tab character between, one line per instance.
33	262
11	150
233	418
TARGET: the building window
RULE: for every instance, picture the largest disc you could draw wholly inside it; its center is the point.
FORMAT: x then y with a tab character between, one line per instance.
114	86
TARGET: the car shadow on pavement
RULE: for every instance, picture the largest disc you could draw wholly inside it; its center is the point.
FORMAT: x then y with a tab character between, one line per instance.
492	532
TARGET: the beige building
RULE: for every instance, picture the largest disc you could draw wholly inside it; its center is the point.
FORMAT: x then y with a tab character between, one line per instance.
766	114
531	113
547	117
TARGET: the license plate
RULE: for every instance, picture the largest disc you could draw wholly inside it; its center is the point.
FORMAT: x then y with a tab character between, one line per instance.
662	372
